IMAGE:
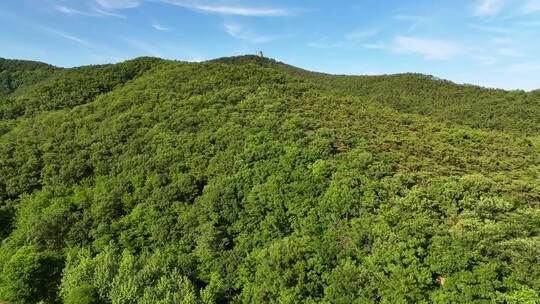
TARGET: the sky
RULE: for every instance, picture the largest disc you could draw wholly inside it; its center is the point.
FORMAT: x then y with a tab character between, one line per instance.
492	43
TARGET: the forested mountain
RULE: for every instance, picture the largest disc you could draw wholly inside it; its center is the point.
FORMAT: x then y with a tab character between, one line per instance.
245	180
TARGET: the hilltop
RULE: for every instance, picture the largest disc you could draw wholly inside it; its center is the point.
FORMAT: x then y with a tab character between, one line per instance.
246	180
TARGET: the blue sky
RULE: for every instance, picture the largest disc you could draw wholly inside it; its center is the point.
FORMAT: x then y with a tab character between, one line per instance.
492	43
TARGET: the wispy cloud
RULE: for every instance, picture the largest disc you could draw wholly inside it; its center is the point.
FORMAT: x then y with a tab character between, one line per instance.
160	28
108	14
68	10
241	11
428	48
62	34
202	6
213	8
96	12
361	34
488	8
238	31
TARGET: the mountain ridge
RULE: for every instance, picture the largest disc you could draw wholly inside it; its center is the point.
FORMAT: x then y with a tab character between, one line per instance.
265	62
410	93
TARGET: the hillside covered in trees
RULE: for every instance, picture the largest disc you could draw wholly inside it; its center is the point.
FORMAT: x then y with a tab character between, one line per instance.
245	180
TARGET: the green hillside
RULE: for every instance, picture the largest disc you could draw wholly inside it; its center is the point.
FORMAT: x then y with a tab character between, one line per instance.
442	100
245	180
19	73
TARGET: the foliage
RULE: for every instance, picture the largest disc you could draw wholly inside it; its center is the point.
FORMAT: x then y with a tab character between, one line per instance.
442	100
31	276
19	73
236	181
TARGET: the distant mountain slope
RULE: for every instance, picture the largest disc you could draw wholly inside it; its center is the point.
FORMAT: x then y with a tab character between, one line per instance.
18	73
477	107
14	65
44	88
155	181
71	87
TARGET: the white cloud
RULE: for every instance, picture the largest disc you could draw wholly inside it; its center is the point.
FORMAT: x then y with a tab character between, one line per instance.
197	5
118	4
361	34
108	14
62	34
160	28
241	11
68	10
429	48
488	8
202	6
238	31
95	13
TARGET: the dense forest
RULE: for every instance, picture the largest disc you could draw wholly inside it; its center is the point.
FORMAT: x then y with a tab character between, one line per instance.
246	180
